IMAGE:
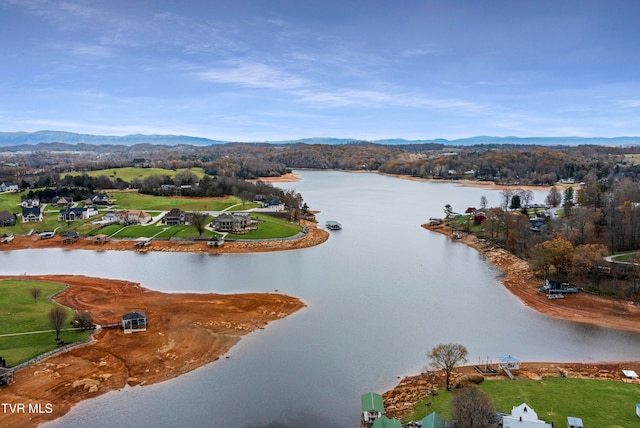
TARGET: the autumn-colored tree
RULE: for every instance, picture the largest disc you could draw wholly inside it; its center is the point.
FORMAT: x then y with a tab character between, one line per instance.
447	357
590	261
559	253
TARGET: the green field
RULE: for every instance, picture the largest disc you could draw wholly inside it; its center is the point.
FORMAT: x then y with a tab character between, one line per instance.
599	403
269	227
19	313
129	173
137	201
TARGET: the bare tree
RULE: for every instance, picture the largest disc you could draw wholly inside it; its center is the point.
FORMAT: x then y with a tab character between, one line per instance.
199	221
82	320
57	317
483	202
470	408
35	292
447	357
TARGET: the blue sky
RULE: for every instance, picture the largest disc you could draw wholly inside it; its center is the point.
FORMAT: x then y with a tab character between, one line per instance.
283	69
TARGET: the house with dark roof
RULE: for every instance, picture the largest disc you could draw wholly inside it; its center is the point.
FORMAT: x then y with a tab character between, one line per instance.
175	216
75	214
100	199
31	214
7	218
134	322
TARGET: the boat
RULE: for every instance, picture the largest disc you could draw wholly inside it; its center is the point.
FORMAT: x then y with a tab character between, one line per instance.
333	225
555	296
215	242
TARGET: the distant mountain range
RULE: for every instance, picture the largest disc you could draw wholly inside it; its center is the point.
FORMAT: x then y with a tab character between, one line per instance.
53	138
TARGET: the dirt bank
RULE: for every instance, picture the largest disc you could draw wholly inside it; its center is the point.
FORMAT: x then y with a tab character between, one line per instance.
399	401
185	331
608	312
313	237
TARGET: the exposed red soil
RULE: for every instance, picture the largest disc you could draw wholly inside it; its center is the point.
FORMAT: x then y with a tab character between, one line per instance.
185	331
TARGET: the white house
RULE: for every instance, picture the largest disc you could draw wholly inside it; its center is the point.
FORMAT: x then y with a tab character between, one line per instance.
523	416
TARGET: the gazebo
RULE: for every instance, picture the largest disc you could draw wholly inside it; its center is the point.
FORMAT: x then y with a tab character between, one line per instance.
134	322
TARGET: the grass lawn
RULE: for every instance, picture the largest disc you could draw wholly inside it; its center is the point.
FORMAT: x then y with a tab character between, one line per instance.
269	227
129	173
599	403
137	201
19	313
625	257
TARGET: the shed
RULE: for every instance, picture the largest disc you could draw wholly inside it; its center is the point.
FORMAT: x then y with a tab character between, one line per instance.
574	422
509	362
372	407
433	420
630	374
134	321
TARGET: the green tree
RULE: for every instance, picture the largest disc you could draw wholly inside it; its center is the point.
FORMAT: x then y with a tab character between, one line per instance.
447	357
515	202
554	198
568	203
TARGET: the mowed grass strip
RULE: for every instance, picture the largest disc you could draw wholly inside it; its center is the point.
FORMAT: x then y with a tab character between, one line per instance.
19	313
599	403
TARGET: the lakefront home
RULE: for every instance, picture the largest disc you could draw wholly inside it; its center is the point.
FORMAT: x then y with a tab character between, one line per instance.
175	216
75	214
231	222
31	214
133	217
7	218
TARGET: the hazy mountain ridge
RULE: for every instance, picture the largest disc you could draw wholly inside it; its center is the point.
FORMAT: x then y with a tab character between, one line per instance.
62	141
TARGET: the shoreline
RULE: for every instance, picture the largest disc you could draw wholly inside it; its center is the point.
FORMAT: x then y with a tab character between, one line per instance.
178	341
313	237
600	311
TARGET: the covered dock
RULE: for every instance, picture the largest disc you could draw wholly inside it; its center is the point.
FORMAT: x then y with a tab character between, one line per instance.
509	363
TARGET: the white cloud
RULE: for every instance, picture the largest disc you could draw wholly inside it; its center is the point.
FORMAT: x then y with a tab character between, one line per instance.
253	75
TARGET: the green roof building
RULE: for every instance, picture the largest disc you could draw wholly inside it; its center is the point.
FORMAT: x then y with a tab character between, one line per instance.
433	421
372	407
385	422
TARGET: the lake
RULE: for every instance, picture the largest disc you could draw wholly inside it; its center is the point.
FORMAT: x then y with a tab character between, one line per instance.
381	293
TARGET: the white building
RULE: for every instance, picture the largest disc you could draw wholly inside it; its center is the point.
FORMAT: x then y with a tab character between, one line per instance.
523	416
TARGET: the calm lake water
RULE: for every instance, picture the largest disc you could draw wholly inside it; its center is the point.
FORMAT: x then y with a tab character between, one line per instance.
380	294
